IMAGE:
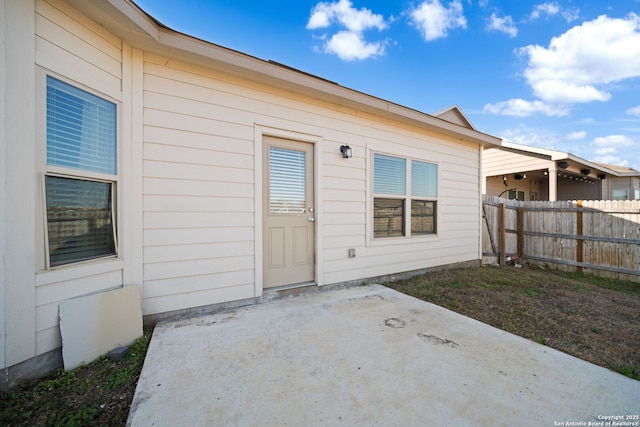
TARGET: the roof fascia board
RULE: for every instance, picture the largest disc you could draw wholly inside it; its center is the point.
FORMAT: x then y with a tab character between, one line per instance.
553	154
592	165
527	153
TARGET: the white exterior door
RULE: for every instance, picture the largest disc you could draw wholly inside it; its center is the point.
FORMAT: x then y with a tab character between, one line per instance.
288	212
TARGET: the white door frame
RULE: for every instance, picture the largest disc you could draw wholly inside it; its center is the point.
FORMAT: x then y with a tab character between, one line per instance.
259	132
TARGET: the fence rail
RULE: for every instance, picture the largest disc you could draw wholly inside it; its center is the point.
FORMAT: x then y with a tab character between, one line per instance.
598	237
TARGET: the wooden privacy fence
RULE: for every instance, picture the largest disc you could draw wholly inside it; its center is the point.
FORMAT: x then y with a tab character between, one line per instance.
598	237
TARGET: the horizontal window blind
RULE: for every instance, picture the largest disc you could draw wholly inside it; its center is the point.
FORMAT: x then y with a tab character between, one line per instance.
424	179
389	175
79	217
81	129
287	181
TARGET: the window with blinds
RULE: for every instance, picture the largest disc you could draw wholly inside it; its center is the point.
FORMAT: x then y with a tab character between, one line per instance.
402	186
81	144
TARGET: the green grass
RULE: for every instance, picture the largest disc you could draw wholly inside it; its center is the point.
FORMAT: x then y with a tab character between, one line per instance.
542	340
95	394
628	371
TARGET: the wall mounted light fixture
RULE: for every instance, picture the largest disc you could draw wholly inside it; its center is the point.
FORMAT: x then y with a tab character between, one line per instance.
346	151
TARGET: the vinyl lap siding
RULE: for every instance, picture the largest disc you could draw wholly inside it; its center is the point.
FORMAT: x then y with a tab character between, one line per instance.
199	186
497	162
75	47
198	195
70	45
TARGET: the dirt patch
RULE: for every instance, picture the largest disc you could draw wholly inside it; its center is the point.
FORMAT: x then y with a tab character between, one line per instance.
592	318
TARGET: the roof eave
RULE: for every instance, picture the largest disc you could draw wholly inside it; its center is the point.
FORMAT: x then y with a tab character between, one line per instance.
129	22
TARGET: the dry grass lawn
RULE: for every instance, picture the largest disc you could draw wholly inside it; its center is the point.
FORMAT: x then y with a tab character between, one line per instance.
592	318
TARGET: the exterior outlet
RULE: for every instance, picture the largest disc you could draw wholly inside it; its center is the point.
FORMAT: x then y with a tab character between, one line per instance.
352	253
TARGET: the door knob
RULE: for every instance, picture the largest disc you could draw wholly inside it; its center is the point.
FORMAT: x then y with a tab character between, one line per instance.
312	219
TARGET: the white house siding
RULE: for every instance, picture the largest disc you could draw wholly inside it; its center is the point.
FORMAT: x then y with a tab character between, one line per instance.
17	220
189	196
499	162
70	46
199	187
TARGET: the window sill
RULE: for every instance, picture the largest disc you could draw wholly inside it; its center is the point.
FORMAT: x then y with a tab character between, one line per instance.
405	240
78	270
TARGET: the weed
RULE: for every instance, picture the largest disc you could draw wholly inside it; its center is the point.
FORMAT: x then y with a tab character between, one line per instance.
596	330
533	292
454	304
83	416
542	340
632	372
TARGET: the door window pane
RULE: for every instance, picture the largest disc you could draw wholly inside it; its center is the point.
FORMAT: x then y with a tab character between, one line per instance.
79	218
287	181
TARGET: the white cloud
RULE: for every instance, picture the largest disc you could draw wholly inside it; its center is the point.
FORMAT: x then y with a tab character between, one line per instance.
571	15
549	8
611	149
324	14
613	141
434	20
553	8
574	136
532	139
634	111
522	108
505	25
577	64
349	44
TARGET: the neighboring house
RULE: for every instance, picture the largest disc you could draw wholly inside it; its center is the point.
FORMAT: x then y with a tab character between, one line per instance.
625	185
522	172
135	155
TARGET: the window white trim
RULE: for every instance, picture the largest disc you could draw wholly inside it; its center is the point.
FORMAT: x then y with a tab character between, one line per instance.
64	172
407	198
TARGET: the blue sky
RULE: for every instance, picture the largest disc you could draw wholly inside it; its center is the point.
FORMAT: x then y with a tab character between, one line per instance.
559	74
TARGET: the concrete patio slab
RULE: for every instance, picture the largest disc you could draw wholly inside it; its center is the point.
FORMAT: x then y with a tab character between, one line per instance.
365	356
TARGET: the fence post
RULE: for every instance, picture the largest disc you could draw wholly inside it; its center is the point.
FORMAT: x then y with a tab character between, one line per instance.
503	234
520	232
579	241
